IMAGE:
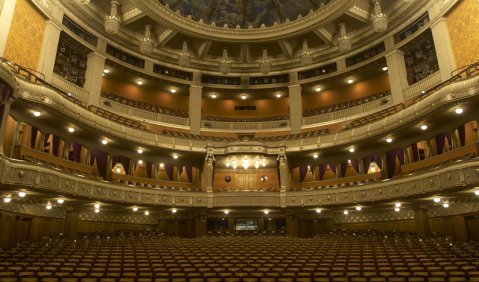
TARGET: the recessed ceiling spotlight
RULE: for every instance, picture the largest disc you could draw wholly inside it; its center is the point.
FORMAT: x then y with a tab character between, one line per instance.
476	192
397	204
37	113
60	201
104	141
106	70
135	209
317	89
69	94
162	165
173	210
49	206
147	212
173	90
445	205
352	149
278	95
266	211
315	155
226	211
22	194
385	68
97	206
318	210
397	209
140	151
359	208
350	81
459	110
423	127
243	97
175	156
346	212
436	200
389	140
140	162
97	210
71	129
213	96
139	82
7	199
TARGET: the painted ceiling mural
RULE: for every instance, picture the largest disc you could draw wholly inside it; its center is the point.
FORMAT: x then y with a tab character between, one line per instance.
244	13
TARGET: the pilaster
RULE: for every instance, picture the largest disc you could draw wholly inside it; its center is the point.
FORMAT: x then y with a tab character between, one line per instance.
295	108
397	75
94	78
209	179
6	14
49	48
195	108
444	52
283	177
423	228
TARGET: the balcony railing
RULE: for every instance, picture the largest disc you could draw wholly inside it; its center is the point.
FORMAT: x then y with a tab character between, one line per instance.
275	125
68	87
148	182
352	180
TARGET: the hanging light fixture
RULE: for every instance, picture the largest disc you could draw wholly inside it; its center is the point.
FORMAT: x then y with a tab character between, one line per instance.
306	55
344	40
147	42
265	62
184	58
112	21
380	19
225	63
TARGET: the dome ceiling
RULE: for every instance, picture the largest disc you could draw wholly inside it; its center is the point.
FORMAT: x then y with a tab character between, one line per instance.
244	13
244	28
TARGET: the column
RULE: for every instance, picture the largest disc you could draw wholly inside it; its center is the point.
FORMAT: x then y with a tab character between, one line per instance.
384	169
94	77
49	49
209	179
421	216
453	140
109	167
7	8
397	75
72	216
291	225
295	108
231	225
195	108
406	155
444	52
200	225
3	123
283	177
361	167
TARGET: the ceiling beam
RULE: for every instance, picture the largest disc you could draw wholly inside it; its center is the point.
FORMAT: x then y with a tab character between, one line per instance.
359	13
204	48
165	37
132	16
324	34
286	48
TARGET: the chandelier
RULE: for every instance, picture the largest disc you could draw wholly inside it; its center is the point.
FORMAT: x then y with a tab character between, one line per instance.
306	55
225	63
265	62
112	22
246	163
184	58
147	43
344	40
380	20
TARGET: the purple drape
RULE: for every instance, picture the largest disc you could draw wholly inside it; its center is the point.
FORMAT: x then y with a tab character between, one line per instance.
378	161
462	134
355	165
101	160
56	144
391	157
322	170
33	137
367	163
148	169
440	138
303	170
415	152
169	171
189	173
344	167
449	138
77	152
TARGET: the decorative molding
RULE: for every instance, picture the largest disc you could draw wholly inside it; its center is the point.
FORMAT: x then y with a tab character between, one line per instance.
33	209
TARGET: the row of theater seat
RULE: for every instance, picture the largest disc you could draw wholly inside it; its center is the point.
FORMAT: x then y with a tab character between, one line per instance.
308	134
185	135
336	256
374	117
117	118
346	105
144	106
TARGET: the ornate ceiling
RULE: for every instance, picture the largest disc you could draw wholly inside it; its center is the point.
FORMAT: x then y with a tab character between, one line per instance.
238	31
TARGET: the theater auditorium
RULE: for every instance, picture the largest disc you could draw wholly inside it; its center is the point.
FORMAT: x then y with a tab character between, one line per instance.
239	140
